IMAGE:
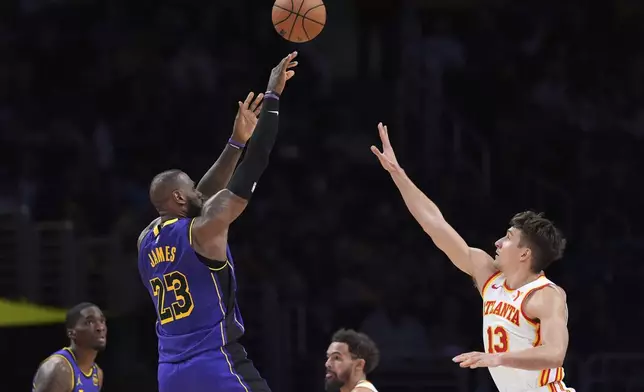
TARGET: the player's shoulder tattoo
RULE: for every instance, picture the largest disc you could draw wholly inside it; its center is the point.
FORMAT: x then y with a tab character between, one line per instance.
54	375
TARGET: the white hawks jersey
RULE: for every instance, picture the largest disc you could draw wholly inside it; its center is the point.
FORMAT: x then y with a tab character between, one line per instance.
507	328
365	384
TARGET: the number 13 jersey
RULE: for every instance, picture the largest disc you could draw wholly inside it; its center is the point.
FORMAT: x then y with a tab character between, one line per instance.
194	297
506	328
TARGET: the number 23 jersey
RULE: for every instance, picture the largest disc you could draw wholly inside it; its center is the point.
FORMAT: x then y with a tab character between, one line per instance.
194	298
507	328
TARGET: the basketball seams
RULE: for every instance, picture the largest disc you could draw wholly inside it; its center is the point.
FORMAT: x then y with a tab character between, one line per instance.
311	9
299	33
282	8
301	16
285	19
312	20
298	15
304	29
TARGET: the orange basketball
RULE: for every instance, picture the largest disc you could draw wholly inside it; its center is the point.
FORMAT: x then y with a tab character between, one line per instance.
299	20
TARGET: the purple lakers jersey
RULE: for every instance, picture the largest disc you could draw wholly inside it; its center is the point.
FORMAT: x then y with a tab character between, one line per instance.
196	306
82	382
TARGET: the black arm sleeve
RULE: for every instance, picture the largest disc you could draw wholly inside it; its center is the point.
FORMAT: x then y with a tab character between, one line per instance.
250	170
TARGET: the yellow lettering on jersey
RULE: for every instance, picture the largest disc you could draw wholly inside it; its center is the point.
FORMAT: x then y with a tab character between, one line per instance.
162	254
502	309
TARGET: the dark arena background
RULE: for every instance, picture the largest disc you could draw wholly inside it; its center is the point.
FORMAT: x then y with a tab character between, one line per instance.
493	107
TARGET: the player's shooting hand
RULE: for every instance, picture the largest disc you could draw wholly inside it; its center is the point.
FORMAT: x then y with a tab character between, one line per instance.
246	118
476	359
387	157
281	73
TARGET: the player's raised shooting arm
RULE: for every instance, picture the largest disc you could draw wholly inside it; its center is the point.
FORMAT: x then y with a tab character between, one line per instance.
548	307
222	209
54	375
217	214
219	174
472	261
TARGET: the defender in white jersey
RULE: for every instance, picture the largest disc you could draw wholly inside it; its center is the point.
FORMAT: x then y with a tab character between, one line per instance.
524	314
350	357
507	327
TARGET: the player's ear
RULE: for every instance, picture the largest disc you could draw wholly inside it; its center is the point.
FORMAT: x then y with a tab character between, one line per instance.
178	197
71	333
526	253
360	364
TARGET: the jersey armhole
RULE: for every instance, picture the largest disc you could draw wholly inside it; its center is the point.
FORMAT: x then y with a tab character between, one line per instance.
488	282
190	231
213	265
533	322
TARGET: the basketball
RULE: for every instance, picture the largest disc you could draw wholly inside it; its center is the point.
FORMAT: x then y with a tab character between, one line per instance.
299	20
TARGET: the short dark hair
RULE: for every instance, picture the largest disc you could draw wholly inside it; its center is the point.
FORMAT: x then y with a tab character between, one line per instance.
542	237
360	346
74	314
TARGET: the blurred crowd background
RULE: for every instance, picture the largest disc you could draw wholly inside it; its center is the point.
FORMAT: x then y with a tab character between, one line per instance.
493	107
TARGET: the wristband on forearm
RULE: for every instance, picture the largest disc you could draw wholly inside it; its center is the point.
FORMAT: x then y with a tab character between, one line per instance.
236	145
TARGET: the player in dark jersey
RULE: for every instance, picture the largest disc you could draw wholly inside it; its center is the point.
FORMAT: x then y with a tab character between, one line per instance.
73	369
185	263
